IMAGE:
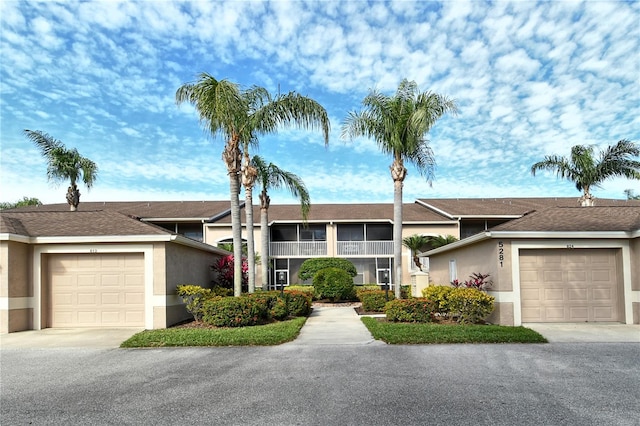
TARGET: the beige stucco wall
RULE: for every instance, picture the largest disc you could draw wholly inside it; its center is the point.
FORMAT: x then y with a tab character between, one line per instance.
182	265
483	257
15	286
213	234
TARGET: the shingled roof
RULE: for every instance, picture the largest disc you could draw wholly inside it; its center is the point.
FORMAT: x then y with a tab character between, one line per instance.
483	207
342	213
143	209
576	219
74	224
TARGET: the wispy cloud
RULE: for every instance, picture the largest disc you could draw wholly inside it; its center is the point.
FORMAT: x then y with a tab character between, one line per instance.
530	78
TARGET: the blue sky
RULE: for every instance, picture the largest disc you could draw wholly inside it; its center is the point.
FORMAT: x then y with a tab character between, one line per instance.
530	79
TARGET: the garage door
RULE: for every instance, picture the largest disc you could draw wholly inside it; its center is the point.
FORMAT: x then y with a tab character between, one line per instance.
96	290
569	285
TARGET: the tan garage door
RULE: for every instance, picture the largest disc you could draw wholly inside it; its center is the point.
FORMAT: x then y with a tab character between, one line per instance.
569	285
97	290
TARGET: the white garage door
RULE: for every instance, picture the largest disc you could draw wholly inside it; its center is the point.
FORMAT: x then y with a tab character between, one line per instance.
569	285
97	290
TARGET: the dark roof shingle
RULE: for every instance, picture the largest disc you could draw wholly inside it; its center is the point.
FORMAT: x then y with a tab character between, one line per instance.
74	224
576	219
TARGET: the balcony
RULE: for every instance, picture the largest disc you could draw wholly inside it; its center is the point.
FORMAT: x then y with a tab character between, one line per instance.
298	249
365	248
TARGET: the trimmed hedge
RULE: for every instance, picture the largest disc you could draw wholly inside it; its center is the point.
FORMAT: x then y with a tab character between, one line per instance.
374	300
410	310
235	311
466	305
307	289
298	303
333	284
311	267
470	305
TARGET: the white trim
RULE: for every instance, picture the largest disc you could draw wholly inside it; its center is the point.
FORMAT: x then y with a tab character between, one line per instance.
15	237
9	303
435	209
628	293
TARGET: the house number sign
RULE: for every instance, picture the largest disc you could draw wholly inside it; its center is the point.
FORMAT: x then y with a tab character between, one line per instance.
501	253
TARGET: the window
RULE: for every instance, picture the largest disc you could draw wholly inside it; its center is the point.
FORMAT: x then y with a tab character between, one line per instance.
350	232
379	232
313	233
284	233
191	230
453	270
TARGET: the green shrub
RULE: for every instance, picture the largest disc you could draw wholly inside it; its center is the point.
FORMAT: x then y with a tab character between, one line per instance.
235	311
298	303
310	267
333	284
307	289
279	309
374	300
194	296
222	291
366	287
470	305
410	310
440	295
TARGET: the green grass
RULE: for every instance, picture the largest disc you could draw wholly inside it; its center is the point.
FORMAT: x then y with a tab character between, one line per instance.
412	333
260	335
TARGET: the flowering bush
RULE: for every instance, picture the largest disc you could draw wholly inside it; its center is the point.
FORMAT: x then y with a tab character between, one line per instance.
224	269
476	280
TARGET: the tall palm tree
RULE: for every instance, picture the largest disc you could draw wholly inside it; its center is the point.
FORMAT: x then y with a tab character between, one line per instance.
64	164
240	115
399	124
586	172
271	176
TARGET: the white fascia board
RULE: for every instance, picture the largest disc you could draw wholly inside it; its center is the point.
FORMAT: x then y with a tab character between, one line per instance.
461	243
432	222
435	209
489	216
15	237
564	235
173	219
102	239
179	239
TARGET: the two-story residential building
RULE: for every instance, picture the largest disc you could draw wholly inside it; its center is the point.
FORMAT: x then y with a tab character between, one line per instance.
361	233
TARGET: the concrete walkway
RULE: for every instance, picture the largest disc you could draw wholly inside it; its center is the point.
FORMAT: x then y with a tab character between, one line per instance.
331	325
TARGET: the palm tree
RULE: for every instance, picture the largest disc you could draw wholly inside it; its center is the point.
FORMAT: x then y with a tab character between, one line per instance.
630	194
399	124
271	176
415	243
441	240
240	116
64	164
582	169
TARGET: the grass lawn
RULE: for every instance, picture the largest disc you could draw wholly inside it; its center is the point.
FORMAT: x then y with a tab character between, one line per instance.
259	335
412	333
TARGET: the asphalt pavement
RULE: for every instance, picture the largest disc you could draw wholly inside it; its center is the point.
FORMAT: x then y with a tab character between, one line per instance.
326	381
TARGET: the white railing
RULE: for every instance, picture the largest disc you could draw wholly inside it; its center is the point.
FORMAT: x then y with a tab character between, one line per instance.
298	248
365	248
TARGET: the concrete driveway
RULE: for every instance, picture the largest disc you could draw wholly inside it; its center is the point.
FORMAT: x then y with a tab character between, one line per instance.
587	332
68	338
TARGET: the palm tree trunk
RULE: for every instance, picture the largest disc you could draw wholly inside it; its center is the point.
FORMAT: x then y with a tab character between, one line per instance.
251	254
264	239
398	173
236	230
232	158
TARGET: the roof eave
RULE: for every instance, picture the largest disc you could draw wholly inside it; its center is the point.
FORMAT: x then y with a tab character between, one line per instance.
435	209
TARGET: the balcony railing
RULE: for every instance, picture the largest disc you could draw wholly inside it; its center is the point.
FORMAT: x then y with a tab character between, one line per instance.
298	248
365	248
